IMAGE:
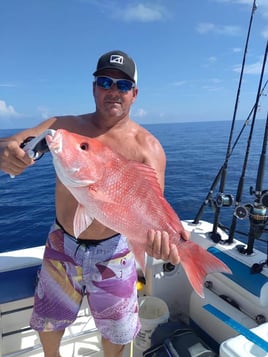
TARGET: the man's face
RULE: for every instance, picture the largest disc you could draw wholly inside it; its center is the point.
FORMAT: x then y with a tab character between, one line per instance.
113	101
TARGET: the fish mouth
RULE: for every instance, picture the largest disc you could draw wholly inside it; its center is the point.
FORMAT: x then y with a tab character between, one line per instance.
54	143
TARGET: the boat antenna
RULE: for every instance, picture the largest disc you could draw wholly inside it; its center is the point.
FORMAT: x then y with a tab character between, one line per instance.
239	211
214	235
217	178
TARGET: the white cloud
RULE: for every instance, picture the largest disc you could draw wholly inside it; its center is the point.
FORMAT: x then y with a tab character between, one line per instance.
237	50
212	59
245	2
7	85
178	83
135	12
44	111
206	27
265	32
212	88
215	80
262	5
253	68
7	110
8	116
143	13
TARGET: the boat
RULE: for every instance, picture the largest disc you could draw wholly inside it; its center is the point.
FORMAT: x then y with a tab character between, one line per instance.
232	318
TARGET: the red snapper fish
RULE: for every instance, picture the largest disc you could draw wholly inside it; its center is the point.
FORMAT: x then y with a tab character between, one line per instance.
125	196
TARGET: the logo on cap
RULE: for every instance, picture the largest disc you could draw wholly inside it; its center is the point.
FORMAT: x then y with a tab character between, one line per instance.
117	59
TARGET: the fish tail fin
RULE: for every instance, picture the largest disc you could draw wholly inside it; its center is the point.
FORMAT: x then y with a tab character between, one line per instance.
197	263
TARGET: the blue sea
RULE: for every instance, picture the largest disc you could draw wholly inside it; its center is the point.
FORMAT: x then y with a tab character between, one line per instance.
195	153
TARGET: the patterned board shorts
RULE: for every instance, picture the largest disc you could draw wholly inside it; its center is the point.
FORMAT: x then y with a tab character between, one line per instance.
104	271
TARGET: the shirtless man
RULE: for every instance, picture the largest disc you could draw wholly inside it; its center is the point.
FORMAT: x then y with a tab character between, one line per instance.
57	301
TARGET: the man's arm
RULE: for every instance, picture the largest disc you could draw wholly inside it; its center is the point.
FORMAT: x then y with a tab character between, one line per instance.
156	158
158	245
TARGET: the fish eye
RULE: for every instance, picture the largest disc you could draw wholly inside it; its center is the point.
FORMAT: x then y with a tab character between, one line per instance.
84	146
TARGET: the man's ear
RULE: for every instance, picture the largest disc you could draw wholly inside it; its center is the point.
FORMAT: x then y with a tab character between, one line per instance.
93	87
135	94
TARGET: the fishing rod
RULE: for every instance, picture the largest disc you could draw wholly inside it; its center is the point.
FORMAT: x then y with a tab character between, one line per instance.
239	212
261	169
214	235
258	211
221	199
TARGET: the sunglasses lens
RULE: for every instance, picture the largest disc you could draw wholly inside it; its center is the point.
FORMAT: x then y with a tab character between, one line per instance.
124	85
104	82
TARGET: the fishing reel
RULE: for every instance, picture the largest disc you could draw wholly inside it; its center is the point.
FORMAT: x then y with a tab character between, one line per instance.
242	211
223	200
256	212
262	196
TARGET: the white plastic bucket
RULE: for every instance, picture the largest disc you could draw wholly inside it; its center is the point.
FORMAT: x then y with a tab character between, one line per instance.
152	312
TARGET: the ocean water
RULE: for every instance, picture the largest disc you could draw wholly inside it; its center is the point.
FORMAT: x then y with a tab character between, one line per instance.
195	152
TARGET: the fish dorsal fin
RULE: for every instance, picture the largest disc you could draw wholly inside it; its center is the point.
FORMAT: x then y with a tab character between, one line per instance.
147	172
81	220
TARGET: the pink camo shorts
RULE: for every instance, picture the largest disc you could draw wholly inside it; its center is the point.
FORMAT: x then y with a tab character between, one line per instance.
105	271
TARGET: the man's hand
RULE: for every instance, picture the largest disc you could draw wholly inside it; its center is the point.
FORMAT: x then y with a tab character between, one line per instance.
158	246
13	160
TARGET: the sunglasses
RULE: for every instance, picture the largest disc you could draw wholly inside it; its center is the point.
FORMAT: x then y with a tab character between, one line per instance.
123	85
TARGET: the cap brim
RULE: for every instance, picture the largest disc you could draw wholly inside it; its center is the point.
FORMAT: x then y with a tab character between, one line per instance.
100	72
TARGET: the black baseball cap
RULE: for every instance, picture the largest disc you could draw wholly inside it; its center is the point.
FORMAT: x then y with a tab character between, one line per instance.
117	60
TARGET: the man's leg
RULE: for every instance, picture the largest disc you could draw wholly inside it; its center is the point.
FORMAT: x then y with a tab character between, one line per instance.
112	350
51	343
112	294
58	293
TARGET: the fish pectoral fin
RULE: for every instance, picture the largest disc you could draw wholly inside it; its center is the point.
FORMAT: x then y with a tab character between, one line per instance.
81	220
99	194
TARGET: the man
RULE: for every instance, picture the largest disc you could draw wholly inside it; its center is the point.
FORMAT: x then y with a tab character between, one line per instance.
70	266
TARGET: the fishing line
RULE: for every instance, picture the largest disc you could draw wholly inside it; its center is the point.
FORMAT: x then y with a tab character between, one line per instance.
214	235
244	168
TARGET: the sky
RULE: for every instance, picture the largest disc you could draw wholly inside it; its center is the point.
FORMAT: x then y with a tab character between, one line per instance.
188	53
